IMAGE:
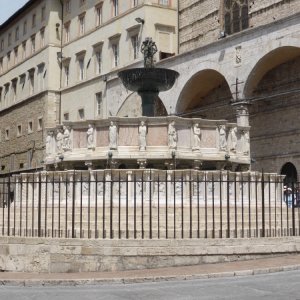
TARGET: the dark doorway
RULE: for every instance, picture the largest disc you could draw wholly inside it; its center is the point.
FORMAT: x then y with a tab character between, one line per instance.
290	172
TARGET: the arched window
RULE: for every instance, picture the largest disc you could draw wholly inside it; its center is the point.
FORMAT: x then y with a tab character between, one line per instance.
290	172
236	16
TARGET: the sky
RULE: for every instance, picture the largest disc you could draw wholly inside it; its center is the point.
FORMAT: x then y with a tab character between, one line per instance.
8	7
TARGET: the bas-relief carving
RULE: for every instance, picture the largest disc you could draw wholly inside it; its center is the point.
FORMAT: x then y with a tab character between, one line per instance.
196	137
142	136
222	138
233	139
172	135
50	143
208	138
90	137
184	137
59	141
113	136
246	143
66	144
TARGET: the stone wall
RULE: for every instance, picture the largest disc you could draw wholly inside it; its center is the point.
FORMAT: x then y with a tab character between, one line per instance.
201	21
65	255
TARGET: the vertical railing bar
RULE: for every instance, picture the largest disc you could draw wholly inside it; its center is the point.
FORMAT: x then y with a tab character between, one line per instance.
103	205
270	208
52	219
150	204
40	205
198	207
228	206
275	203
111	205
158	207
3	183
142	204
205	191
8	206
293	208
281	217
89	206
221	206
191	216
46	205
80	213
66	207
213	204
182	207
96	206
73	205
32	210
263	203
127	201
21	203
119	208
174	202
249	203
235	208
166	195
256	205
243	225
134	206
15	196
59	205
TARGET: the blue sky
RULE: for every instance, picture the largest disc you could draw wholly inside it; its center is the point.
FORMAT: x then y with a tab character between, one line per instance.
8	7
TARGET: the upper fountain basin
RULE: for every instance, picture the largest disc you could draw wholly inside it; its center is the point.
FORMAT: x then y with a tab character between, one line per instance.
148	79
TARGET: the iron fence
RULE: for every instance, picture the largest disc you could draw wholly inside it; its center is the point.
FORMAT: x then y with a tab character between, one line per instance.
148	204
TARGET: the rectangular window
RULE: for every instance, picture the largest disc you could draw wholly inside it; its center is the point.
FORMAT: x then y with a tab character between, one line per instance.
81	24
67	75
40	123
2	45
42	37
134	3
24	50
16	55
17	33
1	65
81	114
33	44
115	49
99	104
30	126
67	32
43	13
25	27
98	15
33	20
115	7
31	82
98	56
19	130
6	90
9	39
8	60
7	133
135	46
22	81
40	77
81	68
164	2
14	90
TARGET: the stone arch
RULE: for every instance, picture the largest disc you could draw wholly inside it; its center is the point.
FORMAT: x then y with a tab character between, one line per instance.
132	107
206	94
268	62
290	172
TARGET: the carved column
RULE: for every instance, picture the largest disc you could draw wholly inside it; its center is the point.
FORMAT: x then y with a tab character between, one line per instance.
242	112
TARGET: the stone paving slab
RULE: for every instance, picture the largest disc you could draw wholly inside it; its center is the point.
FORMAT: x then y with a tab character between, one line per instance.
230	269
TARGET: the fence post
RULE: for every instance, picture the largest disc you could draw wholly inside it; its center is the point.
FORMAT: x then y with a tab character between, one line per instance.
293	208
39	205
8	205
263	203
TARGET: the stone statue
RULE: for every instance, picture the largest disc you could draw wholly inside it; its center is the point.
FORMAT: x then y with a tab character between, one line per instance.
246	143
197	136
142	136
233	139
66	145
112	136
148	49
90	137
50	143
222	138
172	134
59	140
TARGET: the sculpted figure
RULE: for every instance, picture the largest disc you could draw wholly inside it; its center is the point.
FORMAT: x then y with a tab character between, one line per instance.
66	139
197	136
148	49
172	134
233	139
49	143
142	136
112	136
59	141
90	137
246	143
222	138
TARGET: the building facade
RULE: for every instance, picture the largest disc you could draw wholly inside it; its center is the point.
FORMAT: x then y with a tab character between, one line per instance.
58	60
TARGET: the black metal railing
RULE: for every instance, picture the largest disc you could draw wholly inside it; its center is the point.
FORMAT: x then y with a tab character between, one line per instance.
148	204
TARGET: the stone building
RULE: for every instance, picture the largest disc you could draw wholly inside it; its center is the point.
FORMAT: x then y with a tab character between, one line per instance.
243	57
58	60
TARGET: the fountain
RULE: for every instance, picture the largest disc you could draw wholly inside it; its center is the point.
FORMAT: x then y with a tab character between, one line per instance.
148	81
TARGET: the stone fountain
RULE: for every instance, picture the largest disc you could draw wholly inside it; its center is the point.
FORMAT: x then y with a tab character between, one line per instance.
148	81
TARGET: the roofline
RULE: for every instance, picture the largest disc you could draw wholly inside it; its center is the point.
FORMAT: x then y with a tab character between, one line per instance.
28	4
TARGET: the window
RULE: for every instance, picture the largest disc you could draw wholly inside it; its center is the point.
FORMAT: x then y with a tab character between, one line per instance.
134	3
14	90
33	20
98	10
98	104
81	72
1	65
19	130
42	37
32	44
81	114
81	20
30	126
40	123
115	50
67	32
8	60
135	46
68	6
163	2
22	81
1	95
24	27
17	33
115	7
31	82
6	90
7	133
2	45
24	50
98	56
43	13
66	116
67	74
9	39
16	55
40	77
236	16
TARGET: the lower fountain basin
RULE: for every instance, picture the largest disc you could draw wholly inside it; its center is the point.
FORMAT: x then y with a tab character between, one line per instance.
148	79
